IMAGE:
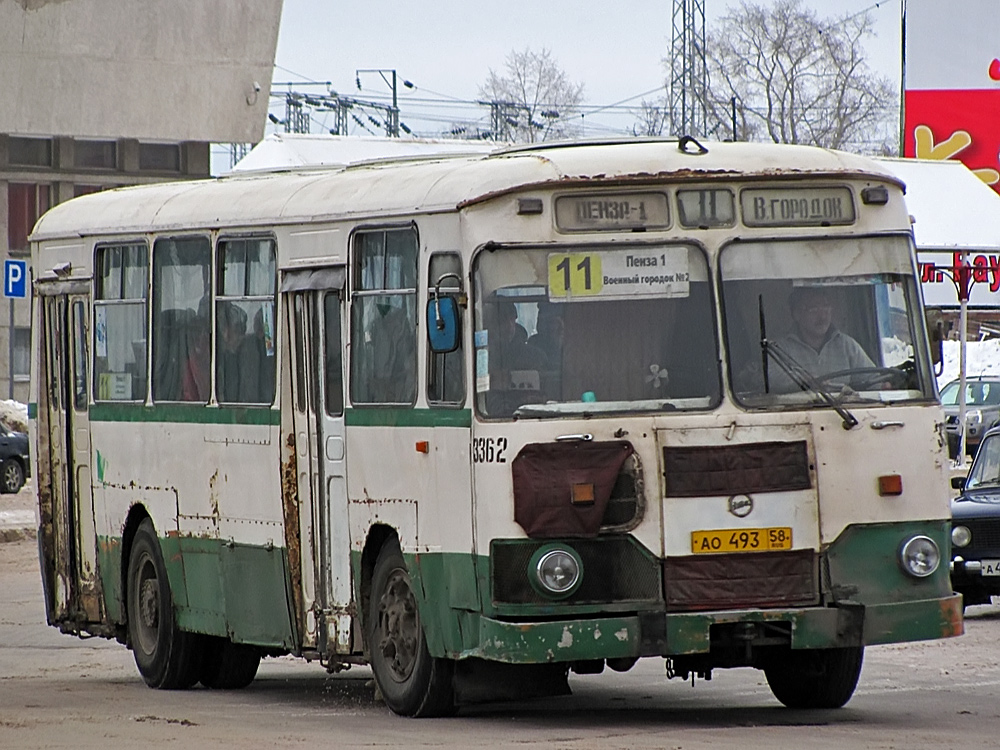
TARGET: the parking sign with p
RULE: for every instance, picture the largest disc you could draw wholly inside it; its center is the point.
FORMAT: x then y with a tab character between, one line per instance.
15	278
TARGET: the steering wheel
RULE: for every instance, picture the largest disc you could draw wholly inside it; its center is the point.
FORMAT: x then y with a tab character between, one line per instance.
864	378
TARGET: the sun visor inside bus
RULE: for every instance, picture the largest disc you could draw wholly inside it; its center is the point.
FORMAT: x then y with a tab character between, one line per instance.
562	489
331	277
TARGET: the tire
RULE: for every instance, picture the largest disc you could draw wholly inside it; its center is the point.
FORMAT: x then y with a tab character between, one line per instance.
11	477
168	658
411	681
226	665
815	678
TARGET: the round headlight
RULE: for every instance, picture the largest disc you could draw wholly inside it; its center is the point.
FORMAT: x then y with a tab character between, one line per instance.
557	571
920	556
961	536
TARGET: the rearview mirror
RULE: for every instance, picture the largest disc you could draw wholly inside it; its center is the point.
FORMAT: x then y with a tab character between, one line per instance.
443	328
936	334
958	483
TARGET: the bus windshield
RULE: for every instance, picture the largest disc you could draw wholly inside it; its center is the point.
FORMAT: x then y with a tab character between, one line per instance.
812	318
584	331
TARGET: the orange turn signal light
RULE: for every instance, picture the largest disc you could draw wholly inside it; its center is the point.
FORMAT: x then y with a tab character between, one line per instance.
890	484
583	494
423	446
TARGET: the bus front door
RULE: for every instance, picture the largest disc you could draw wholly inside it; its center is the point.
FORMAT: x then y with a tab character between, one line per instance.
63	471
316	340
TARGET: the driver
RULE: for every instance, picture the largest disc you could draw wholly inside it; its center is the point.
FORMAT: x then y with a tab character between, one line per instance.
815	343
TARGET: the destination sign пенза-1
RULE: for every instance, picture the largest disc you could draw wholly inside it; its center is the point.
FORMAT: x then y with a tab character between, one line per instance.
608	212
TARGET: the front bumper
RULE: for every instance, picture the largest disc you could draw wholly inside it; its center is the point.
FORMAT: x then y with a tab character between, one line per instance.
662	634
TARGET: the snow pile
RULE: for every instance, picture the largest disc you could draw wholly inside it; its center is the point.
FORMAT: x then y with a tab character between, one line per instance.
982	358
14	415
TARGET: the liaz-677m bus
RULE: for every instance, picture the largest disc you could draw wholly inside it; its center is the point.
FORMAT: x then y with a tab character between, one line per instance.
481	421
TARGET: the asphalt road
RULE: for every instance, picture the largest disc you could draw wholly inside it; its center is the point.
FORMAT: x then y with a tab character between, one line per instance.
58	691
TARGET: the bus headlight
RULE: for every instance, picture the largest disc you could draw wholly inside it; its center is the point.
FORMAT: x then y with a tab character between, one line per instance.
961	536
555	571
919	556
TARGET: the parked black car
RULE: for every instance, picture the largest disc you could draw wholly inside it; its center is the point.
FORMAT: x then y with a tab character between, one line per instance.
982	411
15	464
975	526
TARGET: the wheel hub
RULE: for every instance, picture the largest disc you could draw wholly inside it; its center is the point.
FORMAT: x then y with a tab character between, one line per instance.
399	626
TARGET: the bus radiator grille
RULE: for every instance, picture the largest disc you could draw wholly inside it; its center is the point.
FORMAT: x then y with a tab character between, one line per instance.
615	569
757	579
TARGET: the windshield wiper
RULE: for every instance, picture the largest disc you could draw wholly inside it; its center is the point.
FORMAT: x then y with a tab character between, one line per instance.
799	375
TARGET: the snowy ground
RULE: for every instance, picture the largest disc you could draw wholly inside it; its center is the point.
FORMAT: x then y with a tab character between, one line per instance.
982	358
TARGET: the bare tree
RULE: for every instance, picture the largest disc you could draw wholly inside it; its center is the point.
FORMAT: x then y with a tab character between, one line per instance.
793	77
532	99
652	119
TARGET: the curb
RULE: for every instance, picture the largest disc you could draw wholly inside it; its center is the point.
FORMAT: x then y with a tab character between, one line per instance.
16	525
17	535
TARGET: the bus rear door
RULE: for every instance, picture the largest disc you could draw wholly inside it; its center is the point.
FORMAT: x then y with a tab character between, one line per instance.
315	323
65	490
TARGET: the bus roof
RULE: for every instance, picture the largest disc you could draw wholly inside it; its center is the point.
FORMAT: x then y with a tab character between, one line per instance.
406	186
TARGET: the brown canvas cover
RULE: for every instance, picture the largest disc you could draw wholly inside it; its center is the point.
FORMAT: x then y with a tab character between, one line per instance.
544	475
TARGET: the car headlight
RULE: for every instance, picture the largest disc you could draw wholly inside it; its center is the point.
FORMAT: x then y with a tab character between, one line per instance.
555	571
961	536
919	556
974	417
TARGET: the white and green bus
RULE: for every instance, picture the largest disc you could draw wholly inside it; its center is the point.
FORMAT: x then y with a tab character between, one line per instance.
484	420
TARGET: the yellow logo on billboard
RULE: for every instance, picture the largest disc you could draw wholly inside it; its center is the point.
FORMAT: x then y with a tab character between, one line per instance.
574	275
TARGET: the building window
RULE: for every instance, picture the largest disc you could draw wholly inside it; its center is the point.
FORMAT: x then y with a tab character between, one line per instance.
79	190
182	351
95	154
120	322
25	203
445	376
29	152
160	157
244	321
384	318
21	364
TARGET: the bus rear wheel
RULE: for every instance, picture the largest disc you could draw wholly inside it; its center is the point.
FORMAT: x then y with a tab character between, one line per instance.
815	678
412	682
227	665
167	657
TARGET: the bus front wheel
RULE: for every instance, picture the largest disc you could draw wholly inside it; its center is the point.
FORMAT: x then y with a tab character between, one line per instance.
167	657
412	682
815	678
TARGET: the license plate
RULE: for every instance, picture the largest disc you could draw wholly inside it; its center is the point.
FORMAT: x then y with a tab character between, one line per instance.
744	540
991	567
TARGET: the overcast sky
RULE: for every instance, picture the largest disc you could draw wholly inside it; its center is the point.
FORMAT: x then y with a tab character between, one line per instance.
447	47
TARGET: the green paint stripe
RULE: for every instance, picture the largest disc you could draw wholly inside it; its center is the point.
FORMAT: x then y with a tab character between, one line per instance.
186	413
381	417
32	410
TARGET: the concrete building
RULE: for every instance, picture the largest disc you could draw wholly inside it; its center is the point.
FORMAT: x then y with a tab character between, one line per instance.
96	94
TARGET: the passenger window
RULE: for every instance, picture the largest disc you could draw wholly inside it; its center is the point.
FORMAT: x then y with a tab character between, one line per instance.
244	321
383	318
182	353
445	372
120	322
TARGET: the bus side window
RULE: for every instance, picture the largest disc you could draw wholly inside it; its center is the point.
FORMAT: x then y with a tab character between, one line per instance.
182	353
384	317
120	322
445	372
244	321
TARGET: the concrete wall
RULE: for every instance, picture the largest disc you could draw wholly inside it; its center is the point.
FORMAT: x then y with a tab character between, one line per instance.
172	70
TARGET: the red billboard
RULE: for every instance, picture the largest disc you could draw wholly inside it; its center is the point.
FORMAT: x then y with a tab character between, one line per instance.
952	78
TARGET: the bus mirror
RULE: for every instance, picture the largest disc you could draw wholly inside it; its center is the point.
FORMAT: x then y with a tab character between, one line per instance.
936	334
442	324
